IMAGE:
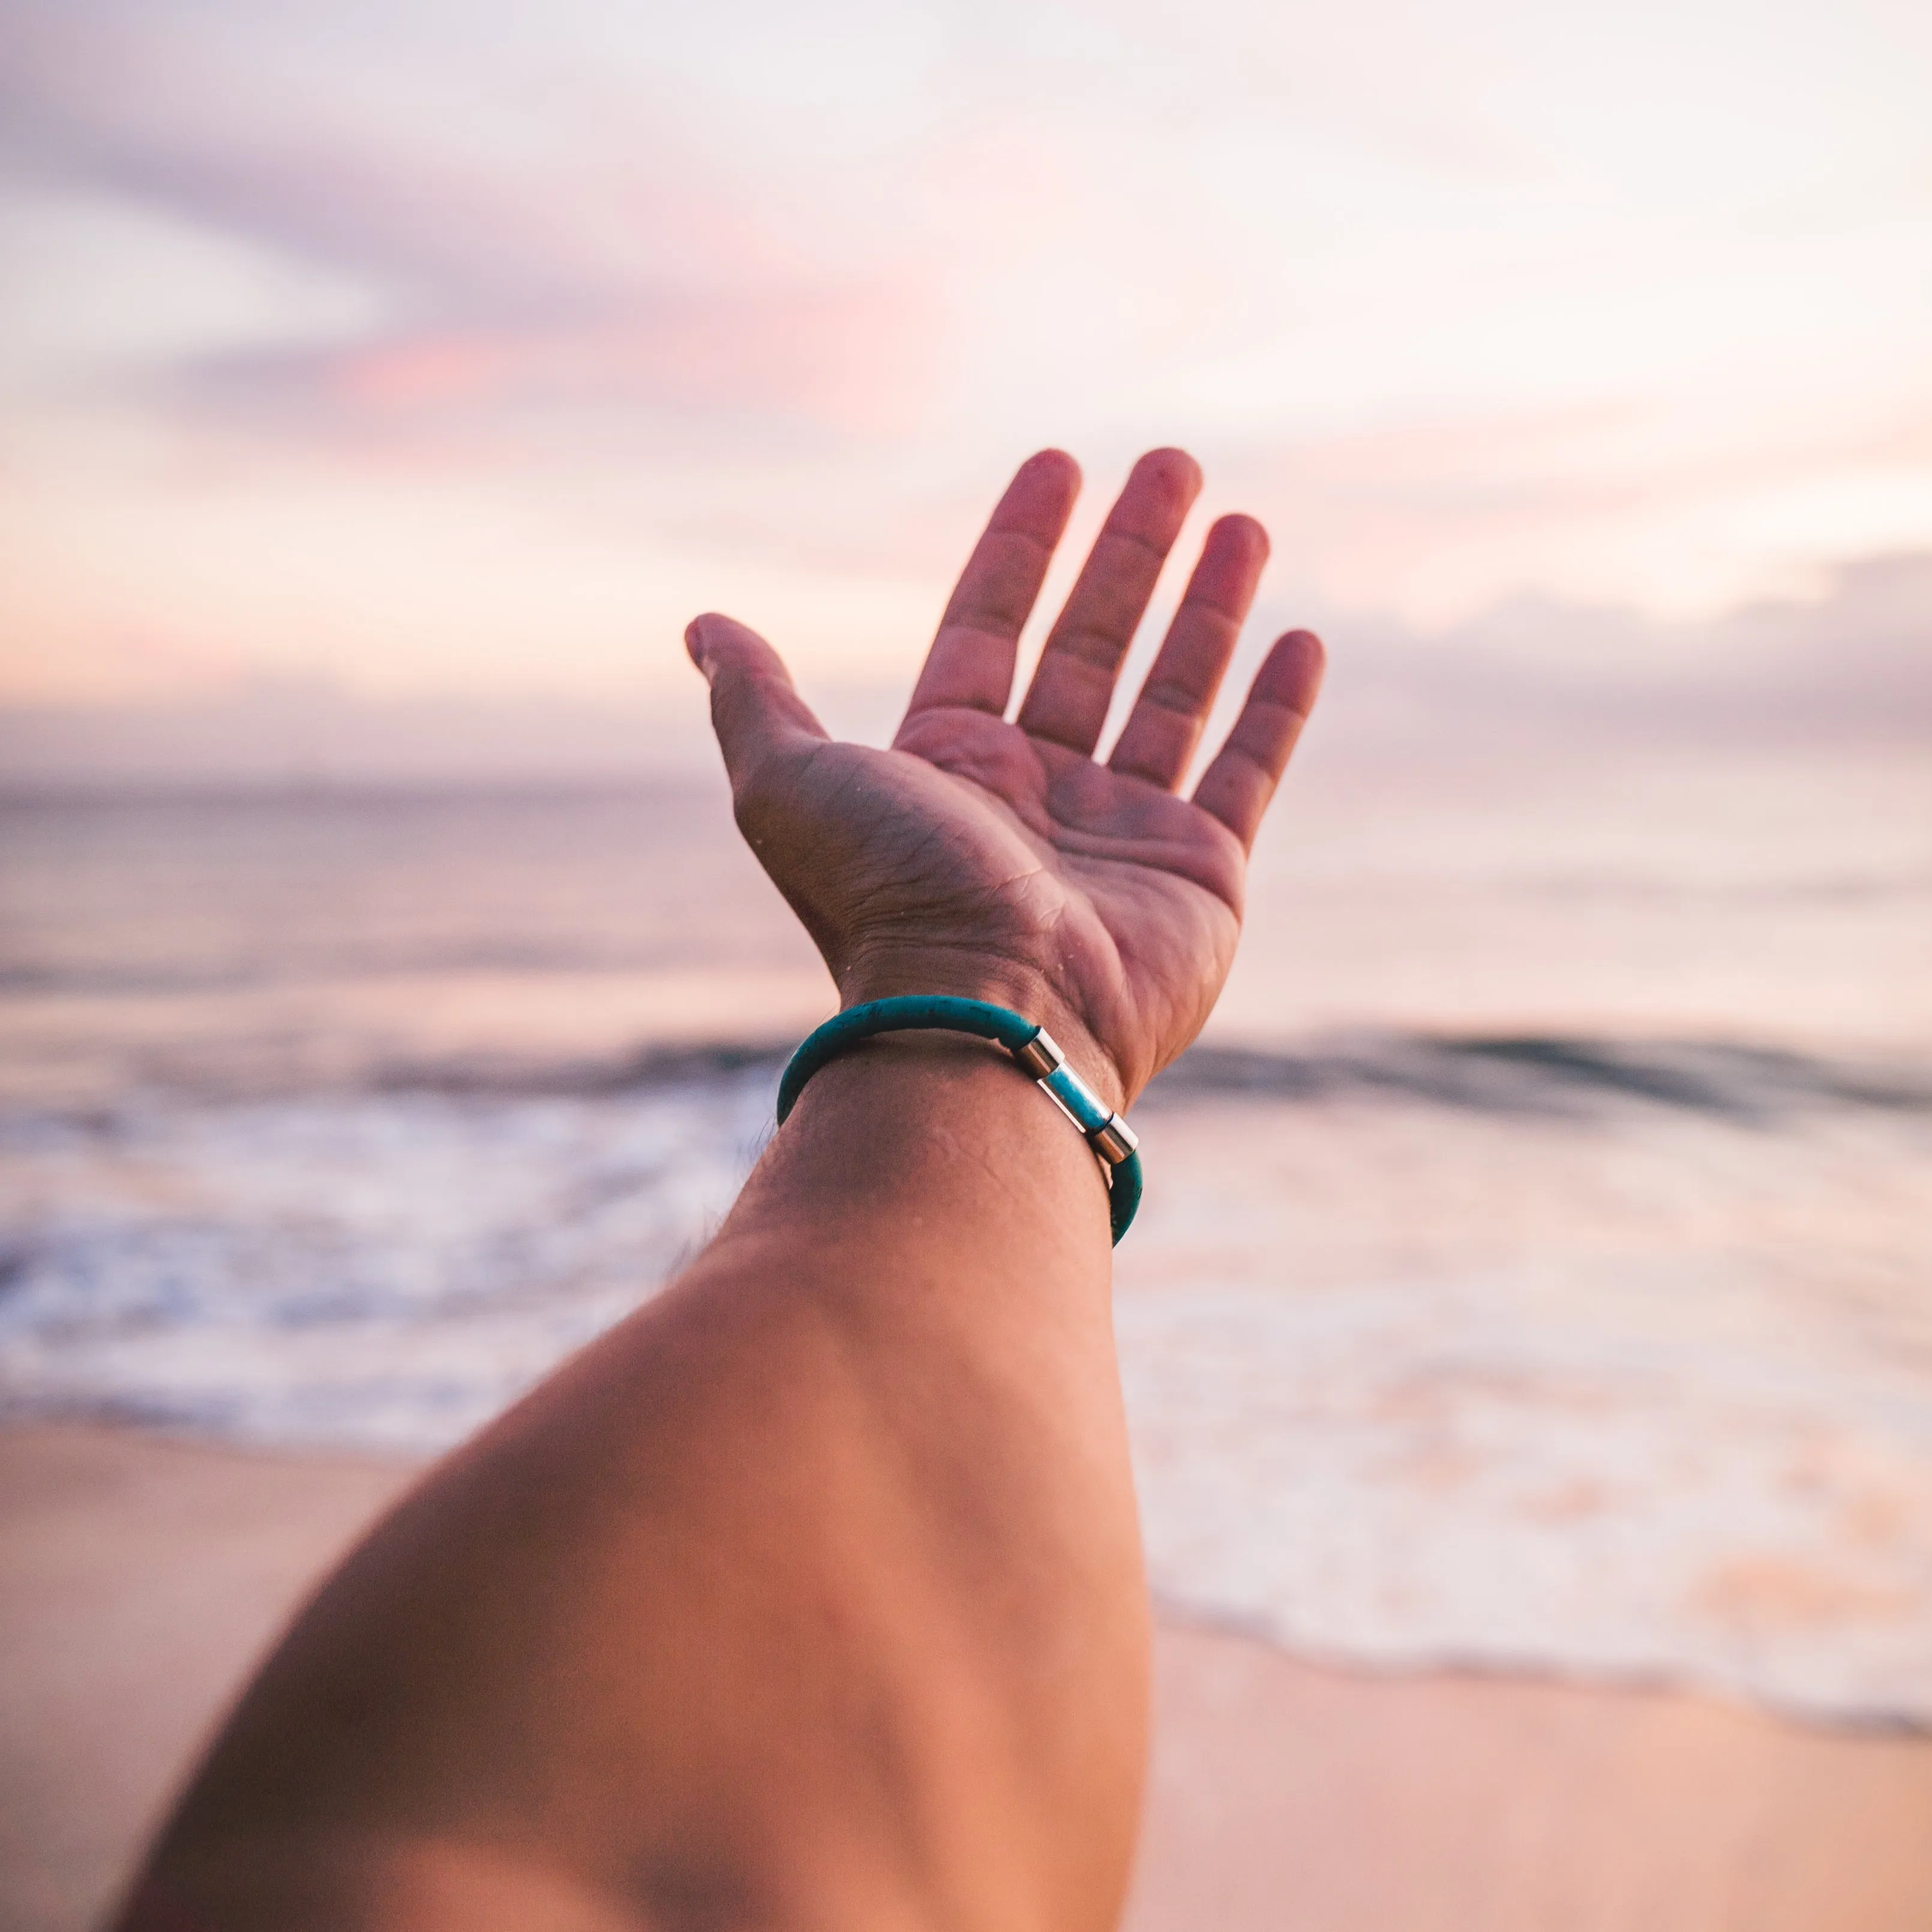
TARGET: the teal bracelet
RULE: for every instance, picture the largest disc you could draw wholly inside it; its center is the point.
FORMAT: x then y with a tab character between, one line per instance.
1113	1142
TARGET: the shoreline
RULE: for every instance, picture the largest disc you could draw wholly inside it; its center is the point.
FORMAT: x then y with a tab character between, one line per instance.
141	1574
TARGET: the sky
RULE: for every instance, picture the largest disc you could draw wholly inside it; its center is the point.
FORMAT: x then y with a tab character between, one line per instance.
422	351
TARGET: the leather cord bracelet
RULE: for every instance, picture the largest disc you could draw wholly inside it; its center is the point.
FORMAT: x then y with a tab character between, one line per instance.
1113	1142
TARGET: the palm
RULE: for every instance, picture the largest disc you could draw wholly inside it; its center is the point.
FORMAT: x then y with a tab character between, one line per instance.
1001	859
1137	893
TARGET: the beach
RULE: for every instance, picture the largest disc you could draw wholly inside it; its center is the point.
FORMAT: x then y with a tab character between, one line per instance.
1525	1337
142	1575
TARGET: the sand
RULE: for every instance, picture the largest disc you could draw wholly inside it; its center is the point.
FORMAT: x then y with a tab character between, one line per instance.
138	1578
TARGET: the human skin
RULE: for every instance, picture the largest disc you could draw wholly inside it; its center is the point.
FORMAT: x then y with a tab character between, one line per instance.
812	1594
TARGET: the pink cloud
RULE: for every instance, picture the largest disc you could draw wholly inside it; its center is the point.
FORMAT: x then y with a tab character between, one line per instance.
847	359
626	274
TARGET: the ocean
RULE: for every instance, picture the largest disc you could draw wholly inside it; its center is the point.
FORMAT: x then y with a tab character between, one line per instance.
1536	1267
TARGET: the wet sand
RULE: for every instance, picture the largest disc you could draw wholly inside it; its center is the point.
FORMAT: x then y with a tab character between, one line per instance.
139	1577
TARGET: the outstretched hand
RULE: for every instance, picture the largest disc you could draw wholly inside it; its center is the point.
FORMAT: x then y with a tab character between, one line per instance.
998	860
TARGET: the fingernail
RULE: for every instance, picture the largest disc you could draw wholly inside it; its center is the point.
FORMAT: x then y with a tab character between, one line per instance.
694	643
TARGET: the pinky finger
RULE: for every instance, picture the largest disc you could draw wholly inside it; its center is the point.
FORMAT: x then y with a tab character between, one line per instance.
1236	786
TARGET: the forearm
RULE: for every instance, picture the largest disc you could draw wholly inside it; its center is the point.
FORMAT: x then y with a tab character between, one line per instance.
811	1595
812	1592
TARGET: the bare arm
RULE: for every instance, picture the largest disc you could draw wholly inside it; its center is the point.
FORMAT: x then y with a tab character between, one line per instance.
812	1594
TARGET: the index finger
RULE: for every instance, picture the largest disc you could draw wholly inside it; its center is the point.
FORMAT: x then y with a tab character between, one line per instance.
970	664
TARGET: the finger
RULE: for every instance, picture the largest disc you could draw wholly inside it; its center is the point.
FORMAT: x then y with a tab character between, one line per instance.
1068	699
754	708
1236	786
1165	725
971	660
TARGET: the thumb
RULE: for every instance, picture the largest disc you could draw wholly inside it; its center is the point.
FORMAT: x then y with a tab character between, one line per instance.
754	708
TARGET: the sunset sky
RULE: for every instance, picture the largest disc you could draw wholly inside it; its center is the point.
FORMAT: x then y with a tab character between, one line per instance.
466	350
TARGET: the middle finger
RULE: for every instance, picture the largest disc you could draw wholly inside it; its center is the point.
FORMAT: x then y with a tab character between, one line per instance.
1068	698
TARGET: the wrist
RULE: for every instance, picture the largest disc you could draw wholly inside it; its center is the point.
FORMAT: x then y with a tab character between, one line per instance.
970	974
912	1124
